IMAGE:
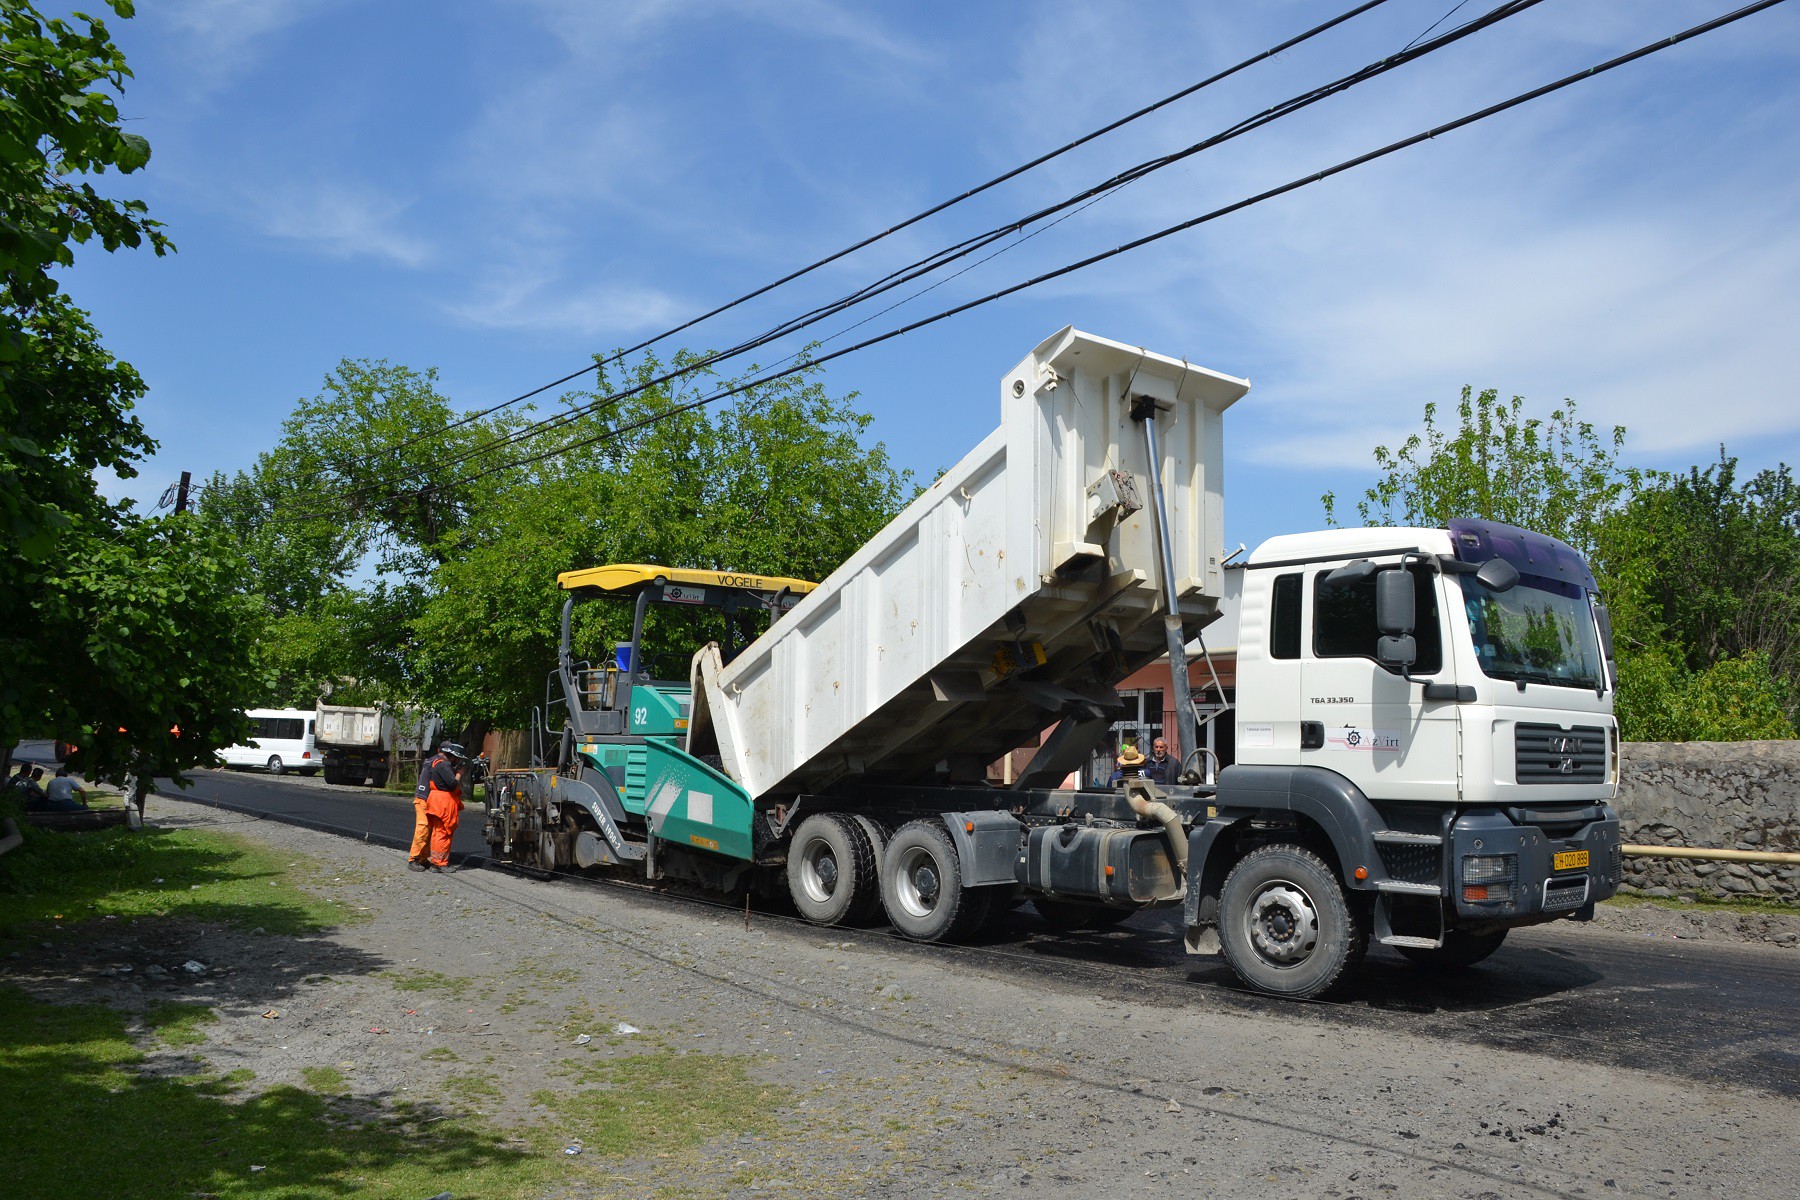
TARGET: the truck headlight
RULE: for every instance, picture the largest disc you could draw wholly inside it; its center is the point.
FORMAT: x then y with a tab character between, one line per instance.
1490	868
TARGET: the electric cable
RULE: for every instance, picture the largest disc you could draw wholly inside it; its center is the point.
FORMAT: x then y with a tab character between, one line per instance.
1069	207
932	211
1169	231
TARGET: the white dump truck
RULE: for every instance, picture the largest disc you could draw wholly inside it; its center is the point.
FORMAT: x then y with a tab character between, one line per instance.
362	744
1425	745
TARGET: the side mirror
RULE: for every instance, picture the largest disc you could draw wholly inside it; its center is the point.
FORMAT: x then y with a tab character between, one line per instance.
1400	652
1497	575
1394	609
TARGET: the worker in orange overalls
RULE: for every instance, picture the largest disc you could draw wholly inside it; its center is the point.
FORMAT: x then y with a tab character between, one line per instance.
437	803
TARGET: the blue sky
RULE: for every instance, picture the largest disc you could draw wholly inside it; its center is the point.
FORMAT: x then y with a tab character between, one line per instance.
500	189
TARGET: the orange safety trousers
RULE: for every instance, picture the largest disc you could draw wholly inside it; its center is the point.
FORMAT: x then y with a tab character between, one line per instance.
421	831
442	811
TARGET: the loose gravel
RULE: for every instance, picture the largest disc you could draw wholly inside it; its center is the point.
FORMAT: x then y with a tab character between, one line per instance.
906	1074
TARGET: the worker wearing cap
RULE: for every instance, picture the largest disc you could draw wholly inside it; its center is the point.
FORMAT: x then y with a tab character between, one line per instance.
1130	763
437	806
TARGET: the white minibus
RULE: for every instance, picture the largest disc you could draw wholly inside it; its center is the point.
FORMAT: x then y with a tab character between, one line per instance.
281	739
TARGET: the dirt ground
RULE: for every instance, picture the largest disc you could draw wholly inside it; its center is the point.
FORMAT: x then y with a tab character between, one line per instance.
902	1074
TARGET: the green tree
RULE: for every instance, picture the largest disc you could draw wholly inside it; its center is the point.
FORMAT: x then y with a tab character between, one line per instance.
463	615
1702	573
64	403
107	622
1556	475
155	660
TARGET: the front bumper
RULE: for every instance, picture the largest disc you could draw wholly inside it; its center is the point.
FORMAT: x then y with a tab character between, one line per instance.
1563	861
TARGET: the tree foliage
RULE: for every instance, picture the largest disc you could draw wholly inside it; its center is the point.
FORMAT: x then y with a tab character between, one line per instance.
113	630
64	403
1702	573
465	540
1556	475
156	662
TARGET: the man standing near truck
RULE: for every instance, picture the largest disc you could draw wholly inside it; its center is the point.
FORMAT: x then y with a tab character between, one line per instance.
437	807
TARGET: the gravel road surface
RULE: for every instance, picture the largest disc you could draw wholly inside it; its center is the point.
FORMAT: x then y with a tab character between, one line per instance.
1585	1062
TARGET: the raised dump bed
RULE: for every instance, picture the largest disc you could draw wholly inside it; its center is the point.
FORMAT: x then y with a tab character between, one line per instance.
1016	590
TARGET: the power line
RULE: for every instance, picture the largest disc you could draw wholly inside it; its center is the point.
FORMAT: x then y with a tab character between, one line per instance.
1272	193
1084	198
939	207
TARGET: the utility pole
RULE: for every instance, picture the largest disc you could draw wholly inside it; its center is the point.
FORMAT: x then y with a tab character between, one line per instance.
181	493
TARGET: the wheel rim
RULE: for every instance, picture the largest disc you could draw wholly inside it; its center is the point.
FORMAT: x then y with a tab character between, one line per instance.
818	871
1282	923
275	765
918	881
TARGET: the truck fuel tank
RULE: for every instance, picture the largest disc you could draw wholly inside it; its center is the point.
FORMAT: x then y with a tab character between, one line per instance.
1098	862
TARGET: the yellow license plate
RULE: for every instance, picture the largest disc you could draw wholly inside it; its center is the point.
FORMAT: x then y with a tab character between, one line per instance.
1568	860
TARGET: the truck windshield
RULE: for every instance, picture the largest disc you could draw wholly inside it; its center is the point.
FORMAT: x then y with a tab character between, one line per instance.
1541	631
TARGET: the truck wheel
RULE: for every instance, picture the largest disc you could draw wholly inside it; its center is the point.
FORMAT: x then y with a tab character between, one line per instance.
831	870
1286	926
275	765
921	884
1067	916
379	779
1460	950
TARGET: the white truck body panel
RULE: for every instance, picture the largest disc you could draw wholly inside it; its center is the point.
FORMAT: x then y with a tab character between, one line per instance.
890	668
1378	730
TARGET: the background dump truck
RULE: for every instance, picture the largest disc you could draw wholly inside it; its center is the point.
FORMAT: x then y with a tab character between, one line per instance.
1424	730
366	744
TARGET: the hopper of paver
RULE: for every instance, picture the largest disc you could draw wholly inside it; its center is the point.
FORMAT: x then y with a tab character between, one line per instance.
1013	594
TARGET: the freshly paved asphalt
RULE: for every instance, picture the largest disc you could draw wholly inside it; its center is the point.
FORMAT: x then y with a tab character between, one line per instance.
350	811
1709	1011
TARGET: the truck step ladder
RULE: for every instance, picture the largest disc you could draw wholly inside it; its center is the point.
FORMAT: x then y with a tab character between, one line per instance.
1398	887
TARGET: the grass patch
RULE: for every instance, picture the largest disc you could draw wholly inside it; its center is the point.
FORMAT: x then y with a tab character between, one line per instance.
179	1024
1755	904
443	1054
472	1089
428	981
85	1125
327	1081
202	876
652	1103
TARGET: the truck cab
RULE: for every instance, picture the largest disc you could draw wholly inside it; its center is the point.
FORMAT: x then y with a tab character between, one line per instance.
1428	714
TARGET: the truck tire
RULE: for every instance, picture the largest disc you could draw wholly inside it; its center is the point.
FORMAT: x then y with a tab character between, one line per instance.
1286	926
1460	951
1068	916
275	765
831	870
379	778
333	775
922	886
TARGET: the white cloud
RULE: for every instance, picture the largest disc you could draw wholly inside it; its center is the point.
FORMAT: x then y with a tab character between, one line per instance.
341	221
217	39
543	303
606	30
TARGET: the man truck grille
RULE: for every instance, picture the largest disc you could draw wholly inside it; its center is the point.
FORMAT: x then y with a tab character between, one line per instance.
1546	754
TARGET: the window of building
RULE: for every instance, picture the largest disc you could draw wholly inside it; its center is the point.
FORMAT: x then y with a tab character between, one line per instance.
1344	619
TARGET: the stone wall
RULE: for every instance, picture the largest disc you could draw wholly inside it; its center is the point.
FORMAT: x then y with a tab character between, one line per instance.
1722	795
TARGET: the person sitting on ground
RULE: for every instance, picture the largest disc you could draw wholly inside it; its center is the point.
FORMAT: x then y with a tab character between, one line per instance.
64	794
29	788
